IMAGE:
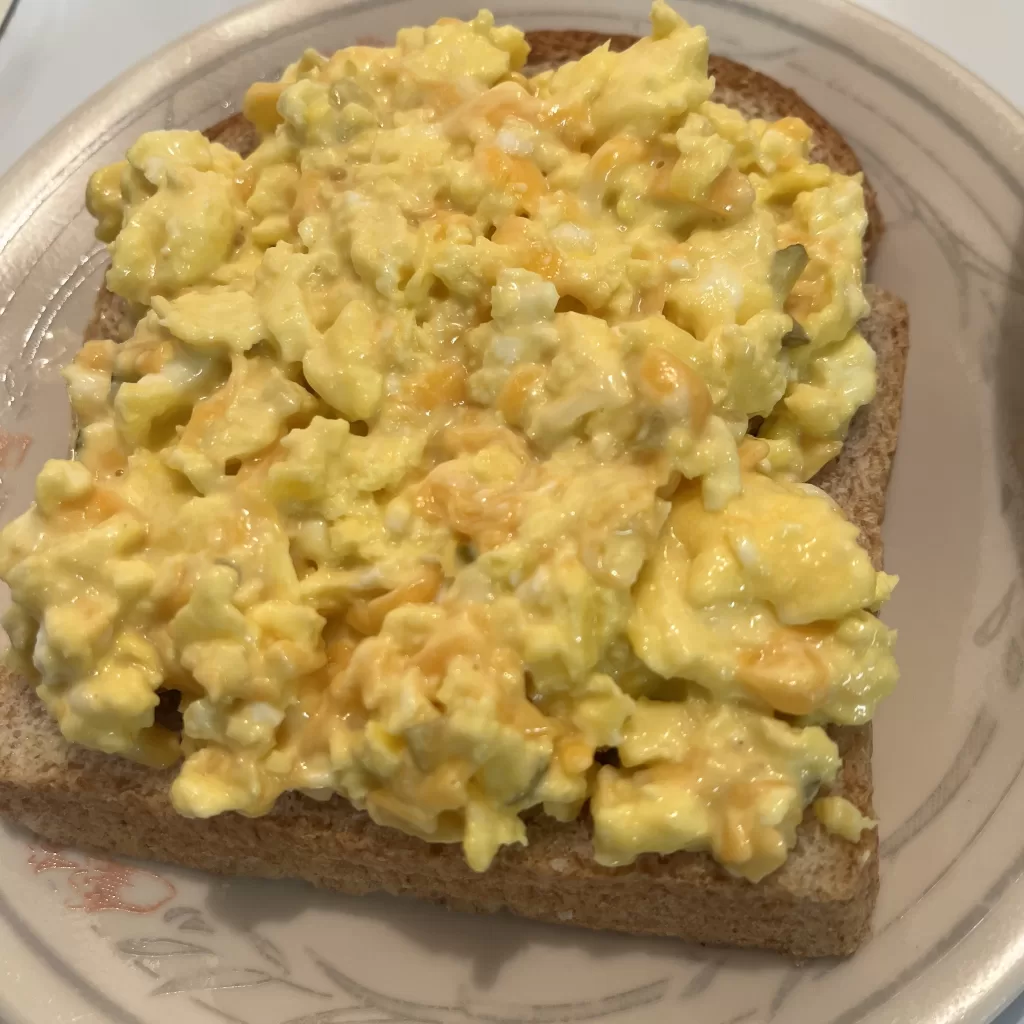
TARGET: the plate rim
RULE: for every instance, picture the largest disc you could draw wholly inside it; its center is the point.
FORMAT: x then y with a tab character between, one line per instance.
86	129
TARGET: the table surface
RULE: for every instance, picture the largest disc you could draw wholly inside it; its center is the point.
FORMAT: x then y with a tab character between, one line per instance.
92	41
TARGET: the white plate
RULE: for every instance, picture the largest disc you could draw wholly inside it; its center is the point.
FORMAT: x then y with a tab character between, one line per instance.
87	940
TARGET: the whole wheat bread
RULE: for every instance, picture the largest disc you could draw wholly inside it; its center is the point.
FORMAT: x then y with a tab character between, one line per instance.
819	903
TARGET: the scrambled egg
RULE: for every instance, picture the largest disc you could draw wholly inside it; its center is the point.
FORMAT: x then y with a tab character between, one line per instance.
430	478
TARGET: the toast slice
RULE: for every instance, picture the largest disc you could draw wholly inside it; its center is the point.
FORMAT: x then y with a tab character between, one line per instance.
819	903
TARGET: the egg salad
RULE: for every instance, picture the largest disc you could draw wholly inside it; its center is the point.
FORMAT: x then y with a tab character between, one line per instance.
458	462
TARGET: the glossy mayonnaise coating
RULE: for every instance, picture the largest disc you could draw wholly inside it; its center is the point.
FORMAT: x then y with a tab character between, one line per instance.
426	475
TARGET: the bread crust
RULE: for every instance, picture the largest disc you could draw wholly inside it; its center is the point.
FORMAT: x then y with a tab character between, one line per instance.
819	903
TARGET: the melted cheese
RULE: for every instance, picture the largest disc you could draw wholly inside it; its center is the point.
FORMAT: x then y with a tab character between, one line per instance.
426	474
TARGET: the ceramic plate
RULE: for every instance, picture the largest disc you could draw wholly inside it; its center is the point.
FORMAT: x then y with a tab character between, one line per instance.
88	940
